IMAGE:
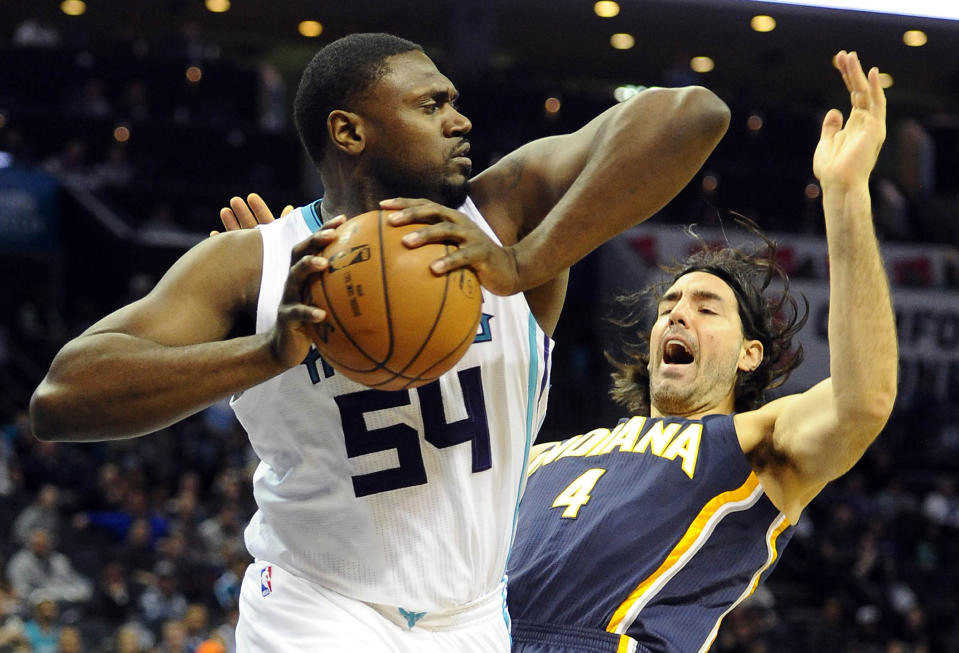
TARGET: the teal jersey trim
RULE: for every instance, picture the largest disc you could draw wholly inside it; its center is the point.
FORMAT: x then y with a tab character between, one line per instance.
530	406
312	219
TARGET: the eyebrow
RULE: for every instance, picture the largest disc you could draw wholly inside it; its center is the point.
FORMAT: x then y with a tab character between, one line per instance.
701	295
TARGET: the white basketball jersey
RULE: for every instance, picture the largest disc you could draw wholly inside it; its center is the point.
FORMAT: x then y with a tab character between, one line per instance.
404	498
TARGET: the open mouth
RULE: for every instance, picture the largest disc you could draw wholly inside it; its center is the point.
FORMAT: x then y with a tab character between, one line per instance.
676	353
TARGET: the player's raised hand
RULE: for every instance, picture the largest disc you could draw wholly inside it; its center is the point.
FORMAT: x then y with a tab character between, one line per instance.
247	214
846	155
494	265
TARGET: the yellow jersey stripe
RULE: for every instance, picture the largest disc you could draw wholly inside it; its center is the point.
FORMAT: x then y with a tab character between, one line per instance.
626	644
776	529
694	537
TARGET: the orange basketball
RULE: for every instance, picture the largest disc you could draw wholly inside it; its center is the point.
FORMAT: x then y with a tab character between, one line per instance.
391	323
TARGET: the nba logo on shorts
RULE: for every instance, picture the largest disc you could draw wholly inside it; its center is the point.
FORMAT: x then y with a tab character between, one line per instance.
266	580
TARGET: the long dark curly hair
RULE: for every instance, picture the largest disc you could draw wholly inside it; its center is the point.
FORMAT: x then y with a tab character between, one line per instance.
772	318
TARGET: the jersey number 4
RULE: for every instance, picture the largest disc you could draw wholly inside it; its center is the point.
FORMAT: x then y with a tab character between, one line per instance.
576	495
404	438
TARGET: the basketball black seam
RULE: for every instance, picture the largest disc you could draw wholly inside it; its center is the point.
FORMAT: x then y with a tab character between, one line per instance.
470	334
331	311
432	330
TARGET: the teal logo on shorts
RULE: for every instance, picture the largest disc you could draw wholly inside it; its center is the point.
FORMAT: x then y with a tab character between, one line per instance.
411	617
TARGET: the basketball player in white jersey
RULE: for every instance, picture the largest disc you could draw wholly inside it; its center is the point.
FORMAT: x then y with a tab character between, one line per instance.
384	518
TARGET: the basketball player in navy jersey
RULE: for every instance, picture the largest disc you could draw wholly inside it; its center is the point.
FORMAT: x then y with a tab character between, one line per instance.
384	518
642	537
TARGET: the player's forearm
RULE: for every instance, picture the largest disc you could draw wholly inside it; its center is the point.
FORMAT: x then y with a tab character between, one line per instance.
862	331
643	153
110	386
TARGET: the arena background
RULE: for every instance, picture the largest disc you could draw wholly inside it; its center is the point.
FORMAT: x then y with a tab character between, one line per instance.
123	130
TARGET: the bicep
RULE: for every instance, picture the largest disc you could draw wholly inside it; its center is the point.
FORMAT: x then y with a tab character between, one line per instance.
797	442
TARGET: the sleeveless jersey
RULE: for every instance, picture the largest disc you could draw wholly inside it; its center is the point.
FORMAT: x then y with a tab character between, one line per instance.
650	532
406	498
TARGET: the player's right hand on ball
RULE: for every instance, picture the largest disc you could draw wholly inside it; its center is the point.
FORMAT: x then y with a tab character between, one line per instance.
290	338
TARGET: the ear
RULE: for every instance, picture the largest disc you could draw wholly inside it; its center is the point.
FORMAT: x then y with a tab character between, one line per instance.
346	131
751	355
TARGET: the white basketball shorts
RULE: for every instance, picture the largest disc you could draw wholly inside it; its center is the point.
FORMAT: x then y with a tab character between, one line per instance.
282	613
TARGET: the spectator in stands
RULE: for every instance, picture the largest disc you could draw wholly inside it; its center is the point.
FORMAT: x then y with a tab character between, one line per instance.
162	601
196	623
114	599
173	638
129	638
12	636
37	570
42	513
71	640
43	630
221	531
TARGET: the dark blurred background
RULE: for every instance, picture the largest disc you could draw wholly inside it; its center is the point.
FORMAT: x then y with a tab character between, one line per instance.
124	128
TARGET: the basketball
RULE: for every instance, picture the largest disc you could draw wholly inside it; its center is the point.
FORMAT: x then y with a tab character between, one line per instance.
391	323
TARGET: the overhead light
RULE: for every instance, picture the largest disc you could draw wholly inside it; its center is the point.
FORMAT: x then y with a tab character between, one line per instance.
924	8
606	8
310	28
218	6
702	64
622	41
623	93
73	7
552	104
763	23
885	80
914	38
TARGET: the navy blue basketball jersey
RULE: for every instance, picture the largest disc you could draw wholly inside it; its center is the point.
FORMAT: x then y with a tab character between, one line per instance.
641	538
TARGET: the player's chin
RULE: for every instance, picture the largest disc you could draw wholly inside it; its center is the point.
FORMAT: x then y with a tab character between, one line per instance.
454	192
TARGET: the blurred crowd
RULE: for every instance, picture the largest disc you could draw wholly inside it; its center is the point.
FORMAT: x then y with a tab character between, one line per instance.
136	545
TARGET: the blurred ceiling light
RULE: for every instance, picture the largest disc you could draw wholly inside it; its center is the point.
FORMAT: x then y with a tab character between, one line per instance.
763	23
310	28
811	191
702	64
194	74
552	105
925	8
121	134
73	7
606	8
885	80
623	93
914	38
754	122
622	41
218	6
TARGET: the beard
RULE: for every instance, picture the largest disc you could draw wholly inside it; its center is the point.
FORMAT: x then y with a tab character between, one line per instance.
439	186
708	389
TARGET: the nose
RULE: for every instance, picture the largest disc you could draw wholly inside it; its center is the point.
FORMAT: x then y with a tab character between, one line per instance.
458	124
679	314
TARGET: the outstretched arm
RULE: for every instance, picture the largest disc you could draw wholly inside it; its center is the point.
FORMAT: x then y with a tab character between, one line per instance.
163	357
577	191
824	431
